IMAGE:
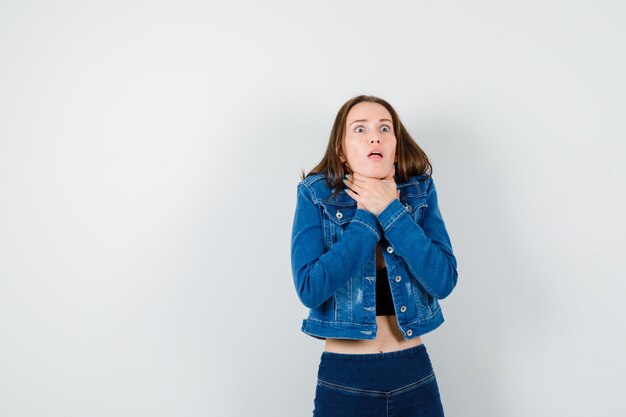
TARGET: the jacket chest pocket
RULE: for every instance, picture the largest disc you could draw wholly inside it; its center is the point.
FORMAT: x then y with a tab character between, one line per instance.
335	218
416	205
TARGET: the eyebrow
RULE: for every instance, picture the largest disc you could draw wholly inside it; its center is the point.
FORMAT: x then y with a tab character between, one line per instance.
365	120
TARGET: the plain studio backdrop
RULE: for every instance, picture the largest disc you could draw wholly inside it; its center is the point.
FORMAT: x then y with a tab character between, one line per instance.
149	157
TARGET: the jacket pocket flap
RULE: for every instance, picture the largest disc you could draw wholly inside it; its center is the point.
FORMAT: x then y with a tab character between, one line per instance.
339	212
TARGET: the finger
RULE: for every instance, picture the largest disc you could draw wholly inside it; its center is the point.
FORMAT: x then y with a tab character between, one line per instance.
353	186
352	194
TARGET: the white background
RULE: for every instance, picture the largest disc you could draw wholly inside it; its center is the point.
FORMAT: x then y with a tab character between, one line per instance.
149	156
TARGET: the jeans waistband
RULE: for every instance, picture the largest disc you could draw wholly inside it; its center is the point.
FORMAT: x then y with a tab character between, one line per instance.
377	371
374	356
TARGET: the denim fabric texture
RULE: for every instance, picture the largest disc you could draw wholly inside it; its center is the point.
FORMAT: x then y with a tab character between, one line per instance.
391	384
333	259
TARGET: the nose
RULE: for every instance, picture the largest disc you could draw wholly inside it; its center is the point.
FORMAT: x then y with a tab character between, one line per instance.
372	140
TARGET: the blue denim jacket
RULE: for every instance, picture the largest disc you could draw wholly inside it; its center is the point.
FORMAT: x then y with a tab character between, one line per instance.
333	259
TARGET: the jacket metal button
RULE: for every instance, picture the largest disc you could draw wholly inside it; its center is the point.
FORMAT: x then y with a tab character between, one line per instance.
403	309
389	249
398	278
408	207
339	215
409	332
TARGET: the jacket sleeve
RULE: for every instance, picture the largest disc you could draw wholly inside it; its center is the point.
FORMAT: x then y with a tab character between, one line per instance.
426	249
318	274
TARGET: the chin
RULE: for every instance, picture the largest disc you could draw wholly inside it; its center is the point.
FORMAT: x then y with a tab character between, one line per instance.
378	173
375	172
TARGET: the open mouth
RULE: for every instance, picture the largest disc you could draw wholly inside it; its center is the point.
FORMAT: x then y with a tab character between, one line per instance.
375	156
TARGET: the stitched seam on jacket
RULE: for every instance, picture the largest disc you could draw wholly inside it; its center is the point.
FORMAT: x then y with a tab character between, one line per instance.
395	217
368	226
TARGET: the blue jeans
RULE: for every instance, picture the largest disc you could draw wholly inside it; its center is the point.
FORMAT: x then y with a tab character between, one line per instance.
400	383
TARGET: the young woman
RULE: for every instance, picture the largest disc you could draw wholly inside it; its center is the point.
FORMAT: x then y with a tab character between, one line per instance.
370	258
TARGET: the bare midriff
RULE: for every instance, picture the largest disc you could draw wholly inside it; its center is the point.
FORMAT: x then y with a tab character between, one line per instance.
388	336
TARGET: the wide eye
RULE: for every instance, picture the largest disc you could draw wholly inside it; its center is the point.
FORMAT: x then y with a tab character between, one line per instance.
357	129
385	128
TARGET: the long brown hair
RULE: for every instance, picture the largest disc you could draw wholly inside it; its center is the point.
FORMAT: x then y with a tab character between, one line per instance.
411	159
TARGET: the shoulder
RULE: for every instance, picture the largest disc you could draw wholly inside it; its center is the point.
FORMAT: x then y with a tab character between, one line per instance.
313	178
316	185
416	185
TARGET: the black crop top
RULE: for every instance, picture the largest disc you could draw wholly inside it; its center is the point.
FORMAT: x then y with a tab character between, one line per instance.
384	302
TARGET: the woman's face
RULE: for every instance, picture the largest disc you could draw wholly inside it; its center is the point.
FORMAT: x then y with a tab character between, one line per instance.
369	127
